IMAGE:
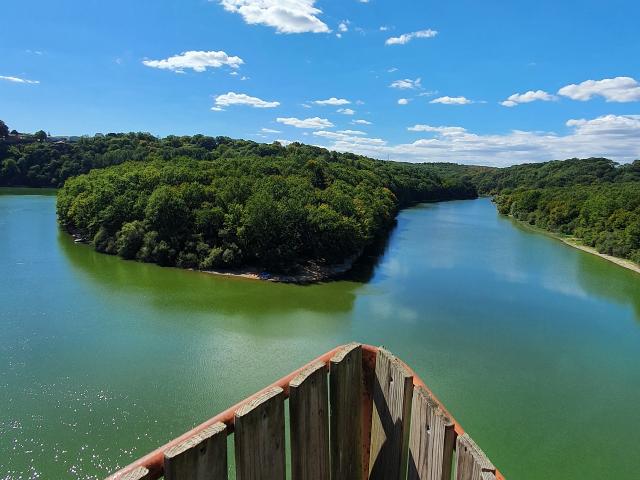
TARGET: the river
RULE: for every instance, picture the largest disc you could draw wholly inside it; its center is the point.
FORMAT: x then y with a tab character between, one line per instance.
534	346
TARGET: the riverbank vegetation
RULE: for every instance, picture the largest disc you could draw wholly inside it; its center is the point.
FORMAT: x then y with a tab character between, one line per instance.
267	206
593	200
218	203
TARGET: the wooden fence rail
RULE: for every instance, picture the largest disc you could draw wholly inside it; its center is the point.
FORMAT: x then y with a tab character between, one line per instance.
355	413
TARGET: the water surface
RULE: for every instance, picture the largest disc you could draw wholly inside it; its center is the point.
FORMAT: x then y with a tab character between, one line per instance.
532	345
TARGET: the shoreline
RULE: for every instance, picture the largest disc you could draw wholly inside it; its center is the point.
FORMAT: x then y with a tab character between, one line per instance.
575	243
307	275
622	262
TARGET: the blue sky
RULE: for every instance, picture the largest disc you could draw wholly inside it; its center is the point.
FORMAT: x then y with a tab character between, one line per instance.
571	70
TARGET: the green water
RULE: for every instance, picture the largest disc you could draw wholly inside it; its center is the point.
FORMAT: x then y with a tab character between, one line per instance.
533	346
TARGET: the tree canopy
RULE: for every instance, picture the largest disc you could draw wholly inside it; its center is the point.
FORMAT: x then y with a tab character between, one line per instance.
595	200
244	203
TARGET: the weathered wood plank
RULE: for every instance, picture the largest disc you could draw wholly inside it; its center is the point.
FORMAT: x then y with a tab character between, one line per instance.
392	392
201	457
471	461
345	400
431	440
309	424
140	473
259	437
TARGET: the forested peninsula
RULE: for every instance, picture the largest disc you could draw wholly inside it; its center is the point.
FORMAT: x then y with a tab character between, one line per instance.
220	204
295	211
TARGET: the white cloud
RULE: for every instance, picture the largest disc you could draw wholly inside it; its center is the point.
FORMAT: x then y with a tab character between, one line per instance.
233	98
346	111
451	100
199	61
286	16
383	28
403	101
361	122
19	80
618	89
613	125
344	26
354	139
269	130
407	84
612	136
527	97
315	122
392	69
332	101
407	37
441	130
352	132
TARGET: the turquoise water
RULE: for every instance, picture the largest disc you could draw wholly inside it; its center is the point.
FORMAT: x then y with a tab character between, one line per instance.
532	345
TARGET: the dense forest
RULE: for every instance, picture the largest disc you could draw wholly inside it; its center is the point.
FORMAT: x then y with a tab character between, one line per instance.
235	203
594	200
215	202
557	173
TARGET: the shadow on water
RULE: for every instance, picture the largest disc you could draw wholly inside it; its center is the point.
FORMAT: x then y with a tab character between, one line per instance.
618	284
364	268
177	290
597	276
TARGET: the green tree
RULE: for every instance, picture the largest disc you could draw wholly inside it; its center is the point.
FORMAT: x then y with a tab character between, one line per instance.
40	136
4	130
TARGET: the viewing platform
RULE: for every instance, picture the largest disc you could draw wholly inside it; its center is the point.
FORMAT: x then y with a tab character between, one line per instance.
355	413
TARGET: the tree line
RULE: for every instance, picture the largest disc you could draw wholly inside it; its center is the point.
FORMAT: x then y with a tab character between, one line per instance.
215	203
594	200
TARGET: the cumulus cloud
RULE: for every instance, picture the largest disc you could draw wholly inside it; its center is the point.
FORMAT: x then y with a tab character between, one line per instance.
612	125
527	97
344	26
361	122
352	132
18	80
269	130
332	101
407	37
618	89
315	122
233	98
346	111
613	136
403	101
286	16
353	139
407	84
440	130
451	100
198	61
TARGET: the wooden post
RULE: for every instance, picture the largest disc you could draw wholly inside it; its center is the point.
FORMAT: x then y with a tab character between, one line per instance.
309	423
392	392
471	462
431	440
201	457
259	437
139	473
345	399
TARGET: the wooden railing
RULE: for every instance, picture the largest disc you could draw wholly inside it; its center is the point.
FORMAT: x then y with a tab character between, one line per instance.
355	413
